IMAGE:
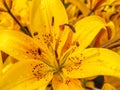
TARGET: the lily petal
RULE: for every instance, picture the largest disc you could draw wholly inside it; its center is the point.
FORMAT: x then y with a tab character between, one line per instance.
107	86
45	23
81	5
105	35
92	62
66	84
87	29
9	61
21	9
1	64
26	75
115	82
18	45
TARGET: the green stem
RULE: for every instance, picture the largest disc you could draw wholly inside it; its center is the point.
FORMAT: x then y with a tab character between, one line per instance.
84	82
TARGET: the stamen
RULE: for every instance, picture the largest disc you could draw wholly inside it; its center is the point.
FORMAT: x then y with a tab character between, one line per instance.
62	27
79	13
85	1
21	27
52	23
11	3
39	51
56	54
35	33
114	46
110	42
95	7
71	27
113	15
77	44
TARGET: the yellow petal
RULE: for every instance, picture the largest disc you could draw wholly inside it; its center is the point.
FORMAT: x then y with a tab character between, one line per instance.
107	86
2	7
113	81
22	88
26	75
91	62
90	85
46	18
21	9
87	29
1	64
111	26
67	84
105	35
81	5
9	61
18	45
6	22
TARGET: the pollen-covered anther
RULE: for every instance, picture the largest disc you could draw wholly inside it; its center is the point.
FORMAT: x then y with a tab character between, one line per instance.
71	27
52	23
77	44
39	51
35	33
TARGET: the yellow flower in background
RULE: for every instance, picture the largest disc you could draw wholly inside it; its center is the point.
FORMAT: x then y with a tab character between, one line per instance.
107	9
102	82
113	81
56	52
108	86
20	10
110	11
6	22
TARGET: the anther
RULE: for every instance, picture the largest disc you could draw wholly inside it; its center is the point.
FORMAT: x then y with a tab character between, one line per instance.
52	23
35	33
77	44
62	27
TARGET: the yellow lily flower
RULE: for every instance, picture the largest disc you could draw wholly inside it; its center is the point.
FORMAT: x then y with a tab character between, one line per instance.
57	52
111	12
75	13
